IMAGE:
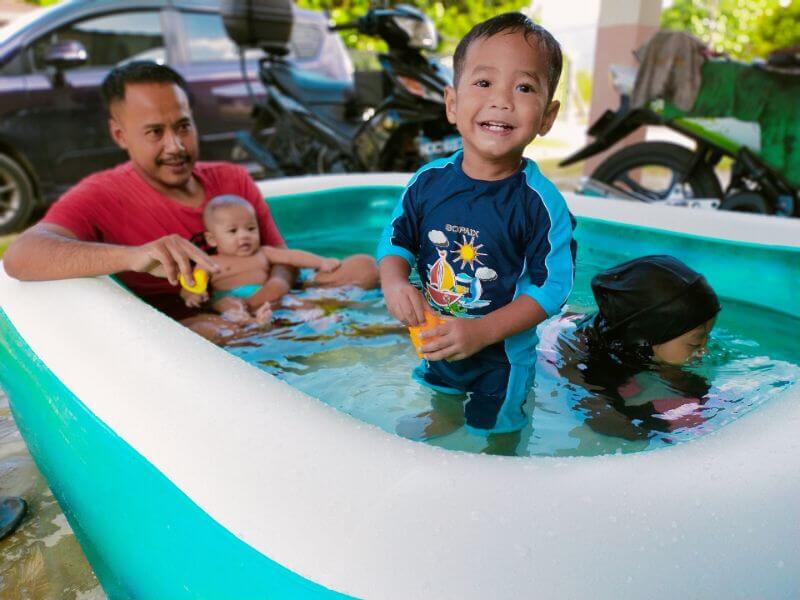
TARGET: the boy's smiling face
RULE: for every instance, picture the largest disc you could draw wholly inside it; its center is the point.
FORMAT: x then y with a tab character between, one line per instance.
501	102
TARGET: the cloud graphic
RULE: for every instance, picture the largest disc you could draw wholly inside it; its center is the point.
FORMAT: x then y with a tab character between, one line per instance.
438	238
486	274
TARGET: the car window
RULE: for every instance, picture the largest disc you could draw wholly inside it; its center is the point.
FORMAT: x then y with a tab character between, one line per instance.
111	39
207	39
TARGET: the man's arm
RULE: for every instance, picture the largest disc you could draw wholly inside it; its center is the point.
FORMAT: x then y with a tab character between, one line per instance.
48	251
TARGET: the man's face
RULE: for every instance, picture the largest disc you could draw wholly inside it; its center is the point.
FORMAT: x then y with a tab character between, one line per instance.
154	125
501	102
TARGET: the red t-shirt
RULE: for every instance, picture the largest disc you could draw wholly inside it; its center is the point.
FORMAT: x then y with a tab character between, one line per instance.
117	206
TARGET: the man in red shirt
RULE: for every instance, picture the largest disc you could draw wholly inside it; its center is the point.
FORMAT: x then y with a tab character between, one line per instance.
137	219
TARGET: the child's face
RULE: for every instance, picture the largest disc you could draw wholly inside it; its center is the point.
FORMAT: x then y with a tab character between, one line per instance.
233	231
501	104
683	348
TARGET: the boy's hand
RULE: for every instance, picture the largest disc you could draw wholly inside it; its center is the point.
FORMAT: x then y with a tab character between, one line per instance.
329	264
455	339
405	303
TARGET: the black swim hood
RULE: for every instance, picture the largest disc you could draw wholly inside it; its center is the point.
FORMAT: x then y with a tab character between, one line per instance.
651	300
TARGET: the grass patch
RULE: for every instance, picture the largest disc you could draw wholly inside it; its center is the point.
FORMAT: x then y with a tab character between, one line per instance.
5	240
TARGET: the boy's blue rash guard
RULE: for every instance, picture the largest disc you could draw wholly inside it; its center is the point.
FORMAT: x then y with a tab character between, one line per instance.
477	245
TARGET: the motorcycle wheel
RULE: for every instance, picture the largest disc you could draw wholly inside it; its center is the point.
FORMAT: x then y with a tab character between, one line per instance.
751	202
654	170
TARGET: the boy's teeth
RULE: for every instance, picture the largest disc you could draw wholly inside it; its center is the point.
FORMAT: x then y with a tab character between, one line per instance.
496	126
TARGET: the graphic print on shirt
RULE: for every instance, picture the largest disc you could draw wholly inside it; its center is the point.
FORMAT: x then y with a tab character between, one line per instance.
453	292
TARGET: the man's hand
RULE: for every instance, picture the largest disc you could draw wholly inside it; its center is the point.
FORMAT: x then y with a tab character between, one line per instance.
405	302
168	256
329	265
455	339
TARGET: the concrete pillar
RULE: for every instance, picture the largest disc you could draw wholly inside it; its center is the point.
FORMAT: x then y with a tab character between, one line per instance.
623	26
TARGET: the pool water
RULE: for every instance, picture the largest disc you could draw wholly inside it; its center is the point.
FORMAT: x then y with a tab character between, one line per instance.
345	349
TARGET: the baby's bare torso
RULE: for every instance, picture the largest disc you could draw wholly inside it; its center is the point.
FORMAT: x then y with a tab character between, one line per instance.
236	271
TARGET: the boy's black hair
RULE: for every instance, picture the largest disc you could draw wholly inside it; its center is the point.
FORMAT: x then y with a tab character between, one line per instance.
140	71
513	22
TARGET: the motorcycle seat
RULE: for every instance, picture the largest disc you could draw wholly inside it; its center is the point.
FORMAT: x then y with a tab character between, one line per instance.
309	88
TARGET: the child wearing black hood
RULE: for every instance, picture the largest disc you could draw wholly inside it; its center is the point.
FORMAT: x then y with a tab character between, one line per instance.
654	315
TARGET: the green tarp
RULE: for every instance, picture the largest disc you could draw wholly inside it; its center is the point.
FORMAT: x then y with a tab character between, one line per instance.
748	93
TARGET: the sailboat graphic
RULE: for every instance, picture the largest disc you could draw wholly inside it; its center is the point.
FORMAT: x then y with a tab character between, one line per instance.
441	285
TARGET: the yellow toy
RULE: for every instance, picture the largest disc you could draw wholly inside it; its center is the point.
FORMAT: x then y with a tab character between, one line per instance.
431	321
200	282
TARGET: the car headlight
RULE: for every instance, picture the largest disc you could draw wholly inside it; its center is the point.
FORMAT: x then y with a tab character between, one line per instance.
421	34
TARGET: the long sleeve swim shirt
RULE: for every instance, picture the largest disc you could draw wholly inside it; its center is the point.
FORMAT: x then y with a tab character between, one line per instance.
477	245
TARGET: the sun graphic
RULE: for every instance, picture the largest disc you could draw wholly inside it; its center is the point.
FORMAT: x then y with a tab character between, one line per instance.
468	253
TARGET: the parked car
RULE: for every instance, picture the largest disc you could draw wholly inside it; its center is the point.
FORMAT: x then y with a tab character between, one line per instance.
53	127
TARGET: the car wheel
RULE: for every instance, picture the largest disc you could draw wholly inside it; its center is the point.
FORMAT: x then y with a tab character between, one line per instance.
655	171
17	199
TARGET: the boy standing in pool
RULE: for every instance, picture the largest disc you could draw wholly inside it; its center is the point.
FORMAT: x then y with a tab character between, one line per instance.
490	236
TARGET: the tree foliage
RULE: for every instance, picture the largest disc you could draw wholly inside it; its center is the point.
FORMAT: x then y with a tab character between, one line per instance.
453	18
745	29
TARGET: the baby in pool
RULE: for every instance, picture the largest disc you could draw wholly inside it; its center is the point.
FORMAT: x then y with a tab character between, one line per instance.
232	229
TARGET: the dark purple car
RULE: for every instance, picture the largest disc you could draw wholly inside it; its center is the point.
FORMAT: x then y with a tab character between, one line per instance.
53	128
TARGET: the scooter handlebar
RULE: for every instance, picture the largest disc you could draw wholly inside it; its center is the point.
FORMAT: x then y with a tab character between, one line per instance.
343	26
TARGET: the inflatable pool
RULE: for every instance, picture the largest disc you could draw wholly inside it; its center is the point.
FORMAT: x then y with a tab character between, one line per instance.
297	500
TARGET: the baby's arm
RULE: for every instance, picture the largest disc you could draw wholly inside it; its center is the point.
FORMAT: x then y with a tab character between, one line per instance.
300	258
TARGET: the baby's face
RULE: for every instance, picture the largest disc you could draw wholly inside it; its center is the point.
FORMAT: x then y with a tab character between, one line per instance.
686	347
233	231
500	104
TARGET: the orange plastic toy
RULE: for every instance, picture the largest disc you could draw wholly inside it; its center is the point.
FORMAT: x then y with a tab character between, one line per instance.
431	321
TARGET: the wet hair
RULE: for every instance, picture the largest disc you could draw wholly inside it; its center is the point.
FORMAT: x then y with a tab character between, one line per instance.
224	201
648	301
507	23
140	71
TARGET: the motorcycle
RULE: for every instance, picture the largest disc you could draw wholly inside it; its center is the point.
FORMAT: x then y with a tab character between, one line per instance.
309	124
669	173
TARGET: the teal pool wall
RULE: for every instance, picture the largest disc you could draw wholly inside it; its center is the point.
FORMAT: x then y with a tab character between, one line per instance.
143	537
347	220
